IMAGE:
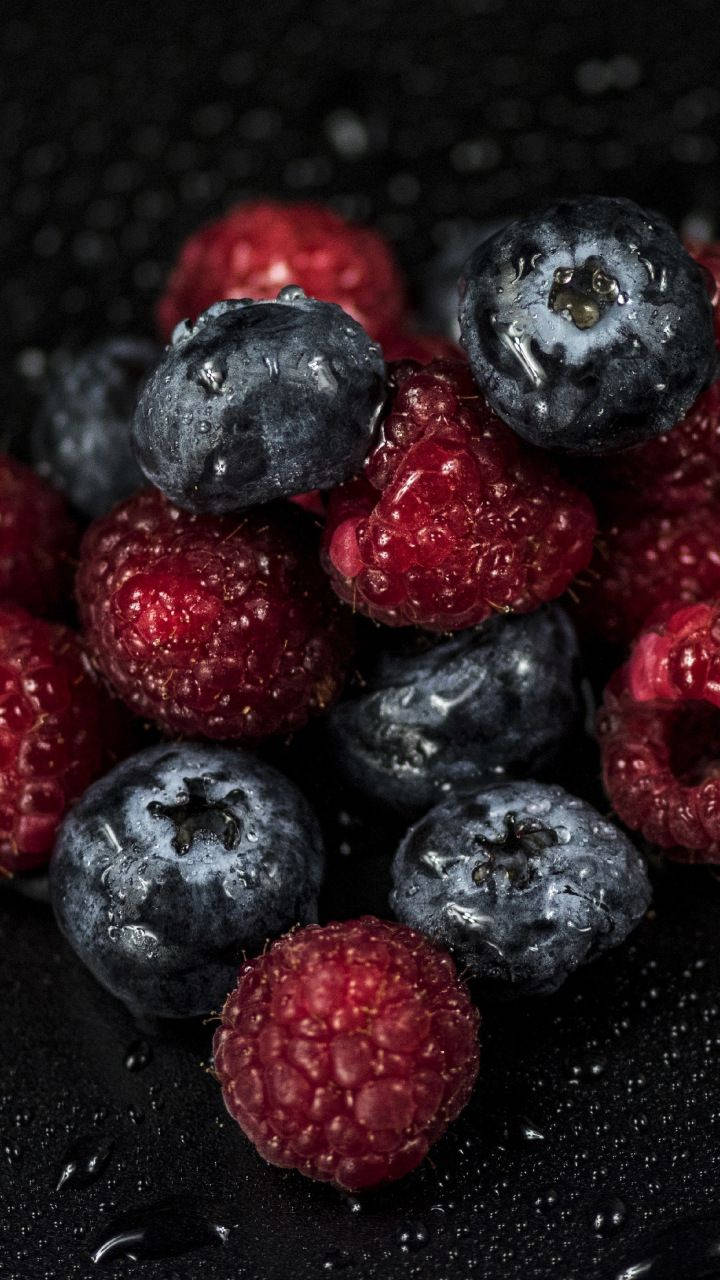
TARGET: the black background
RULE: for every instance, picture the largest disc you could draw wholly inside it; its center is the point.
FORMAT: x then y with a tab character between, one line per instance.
593	1143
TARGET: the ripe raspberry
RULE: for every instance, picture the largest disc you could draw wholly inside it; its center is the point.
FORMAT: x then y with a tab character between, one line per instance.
346	1051
58	731
708	255
38	539
673	472
661	759
421	347
645	563
454	517
256	249
679	659
217	626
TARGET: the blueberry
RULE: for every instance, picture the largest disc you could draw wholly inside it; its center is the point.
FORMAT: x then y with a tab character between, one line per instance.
588	326
502	698
522	881
80	440
259	400
175	865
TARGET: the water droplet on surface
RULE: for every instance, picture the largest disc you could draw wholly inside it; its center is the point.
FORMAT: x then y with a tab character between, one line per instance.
84	1161
413	1236
291	293
610	1215
337	1260
138	1055
164	1229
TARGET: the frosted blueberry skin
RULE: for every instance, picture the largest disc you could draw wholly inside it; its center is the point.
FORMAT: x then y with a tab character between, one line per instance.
80	440
588	326
523	882
502	698
259	400
178	863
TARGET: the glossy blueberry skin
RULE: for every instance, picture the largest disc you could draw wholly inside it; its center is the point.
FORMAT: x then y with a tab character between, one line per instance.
502	698
178	863
80	440
587	326
523	882
259	400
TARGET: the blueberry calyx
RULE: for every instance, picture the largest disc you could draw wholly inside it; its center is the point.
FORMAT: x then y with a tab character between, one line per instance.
584	293
197	814
513	851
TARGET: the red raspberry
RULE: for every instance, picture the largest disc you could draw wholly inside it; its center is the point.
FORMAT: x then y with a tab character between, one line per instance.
673	472
346	1051
708	255
59	731
421	347
454	517
645	563
256	249
38	540
661	759
218	626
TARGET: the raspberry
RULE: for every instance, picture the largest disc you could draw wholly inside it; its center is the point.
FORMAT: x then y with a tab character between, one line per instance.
38	540
454	516
256	249
421	347
58	731
645	563
217	626
673	472
661	759
346	1051
708	255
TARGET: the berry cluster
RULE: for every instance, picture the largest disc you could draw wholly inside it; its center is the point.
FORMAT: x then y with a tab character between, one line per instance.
311	456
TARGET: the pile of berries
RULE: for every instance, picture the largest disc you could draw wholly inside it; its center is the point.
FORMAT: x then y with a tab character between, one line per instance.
299	460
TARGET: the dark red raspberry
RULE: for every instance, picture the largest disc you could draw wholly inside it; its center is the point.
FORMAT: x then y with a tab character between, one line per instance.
38	540
645	563
678	659
59	730
346	1051
708	255
421	347
673	472
256	249
661	759
454	517
217	626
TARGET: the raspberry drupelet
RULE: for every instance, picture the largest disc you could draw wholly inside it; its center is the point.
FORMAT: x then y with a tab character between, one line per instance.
454	517
58	731
255	249
222	627
38	540
645	562
346	1051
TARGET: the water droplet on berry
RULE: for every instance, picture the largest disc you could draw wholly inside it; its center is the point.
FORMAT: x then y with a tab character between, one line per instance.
291	293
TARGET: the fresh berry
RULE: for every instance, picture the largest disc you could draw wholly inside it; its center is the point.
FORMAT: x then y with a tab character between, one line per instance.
58	731
678	660
708	256
646	562
588	326
177	864
674	472
221	627
421	347
454	517
257	248
346	1051
259	400
523	882
80	440
661	759
38	540
441	717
